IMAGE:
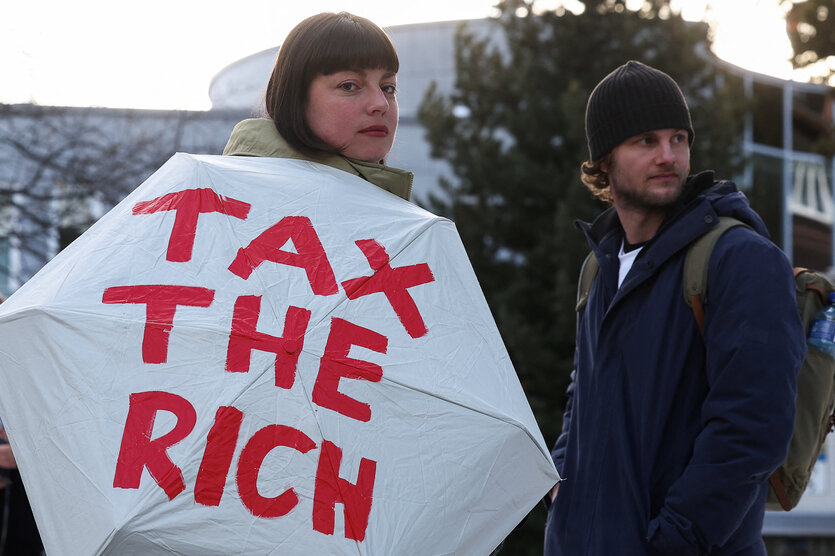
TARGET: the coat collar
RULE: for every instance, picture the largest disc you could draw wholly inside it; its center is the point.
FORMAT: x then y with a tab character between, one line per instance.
702	202
259	137
692	216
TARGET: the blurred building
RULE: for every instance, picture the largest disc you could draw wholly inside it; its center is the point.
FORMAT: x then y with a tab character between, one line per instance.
788	139
790	142
62	168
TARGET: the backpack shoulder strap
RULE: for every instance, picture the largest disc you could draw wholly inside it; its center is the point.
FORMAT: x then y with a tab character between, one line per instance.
587	274
696	264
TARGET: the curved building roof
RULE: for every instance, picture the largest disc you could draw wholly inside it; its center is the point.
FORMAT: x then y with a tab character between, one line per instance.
426	52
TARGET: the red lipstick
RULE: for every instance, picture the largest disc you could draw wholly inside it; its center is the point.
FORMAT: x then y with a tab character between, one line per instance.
375	131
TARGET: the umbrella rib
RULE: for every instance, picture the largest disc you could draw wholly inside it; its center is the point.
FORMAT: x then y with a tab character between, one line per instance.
512	422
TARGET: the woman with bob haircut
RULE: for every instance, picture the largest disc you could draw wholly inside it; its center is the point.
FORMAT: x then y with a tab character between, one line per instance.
331	99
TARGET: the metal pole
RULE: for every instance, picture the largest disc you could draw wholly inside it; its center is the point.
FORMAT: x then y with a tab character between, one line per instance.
832	222
788	144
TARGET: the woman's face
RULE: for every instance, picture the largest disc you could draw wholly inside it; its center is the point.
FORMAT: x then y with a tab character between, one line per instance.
355	111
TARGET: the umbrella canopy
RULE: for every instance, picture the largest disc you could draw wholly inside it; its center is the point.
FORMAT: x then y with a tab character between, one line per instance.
266	356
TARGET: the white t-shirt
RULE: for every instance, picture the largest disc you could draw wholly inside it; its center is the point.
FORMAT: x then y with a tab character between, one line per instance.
626	260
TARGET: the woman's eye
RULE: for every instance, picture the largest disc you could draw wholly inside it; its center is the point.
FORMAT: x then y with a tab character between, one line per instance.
389	89
348	86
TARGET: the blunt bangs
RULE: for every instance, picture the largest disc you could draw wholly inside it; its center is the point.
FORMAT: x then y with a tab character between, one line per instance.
351	42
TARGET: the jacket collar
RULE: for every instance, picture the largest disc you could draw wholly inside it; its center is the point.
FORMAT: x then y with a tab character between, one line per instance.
259	137
691	216
698	209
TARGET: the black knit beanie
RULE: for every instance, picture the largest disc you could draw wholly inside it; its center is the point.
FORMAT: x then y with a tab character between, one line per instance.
629	101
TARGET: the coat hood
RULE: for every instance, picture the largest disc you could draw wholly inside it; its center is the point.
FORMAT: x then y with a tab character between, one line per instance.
259	137
725	198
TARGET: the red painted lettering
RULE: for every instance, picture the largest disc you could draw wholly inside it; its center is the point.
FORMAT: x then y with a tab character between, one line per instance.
309	255
394	283
331	488
252	456
189	204
217	458
139	451
162	302
245	338
335	364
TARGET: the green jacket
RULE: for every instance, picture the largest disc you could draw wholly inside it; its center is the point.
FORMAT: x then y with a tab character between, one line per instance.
259	137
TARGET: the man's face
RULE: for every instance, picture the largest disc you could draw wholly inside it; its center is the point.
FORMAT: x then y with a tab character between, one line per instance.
647	171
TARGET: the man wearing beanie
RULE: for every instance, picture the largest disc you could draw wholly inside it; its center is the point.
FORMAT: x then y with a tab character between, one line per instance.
670	434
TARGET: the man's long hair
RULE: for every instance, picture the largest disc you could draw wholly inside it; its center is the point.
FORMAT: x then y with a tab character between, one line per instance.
596	180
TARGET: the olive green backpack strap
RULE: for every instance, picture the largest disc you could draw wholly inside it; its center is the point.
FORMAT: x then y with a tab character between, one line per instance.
695	269
696	264
587	273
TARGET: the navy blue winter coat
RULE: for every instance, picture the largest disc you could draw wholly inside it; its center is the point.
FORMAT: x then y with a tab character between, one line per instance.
669	437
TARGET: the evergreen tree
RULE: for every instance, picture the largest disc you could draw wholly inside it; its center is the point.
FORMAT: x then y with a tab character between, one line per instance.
515	155
811	28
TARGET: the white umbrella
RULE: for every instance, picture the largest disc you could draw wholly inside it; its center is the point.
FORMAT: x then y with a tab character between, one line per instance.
264	356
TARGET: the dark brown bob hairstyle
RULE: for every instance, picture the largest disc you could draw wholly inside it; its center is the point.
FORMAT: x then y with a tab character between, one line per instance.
322	44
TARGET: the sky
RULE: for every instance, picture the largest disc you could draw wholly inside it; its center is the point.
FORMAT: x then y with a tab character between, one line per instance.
163	53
